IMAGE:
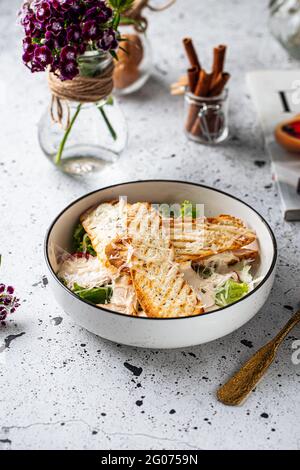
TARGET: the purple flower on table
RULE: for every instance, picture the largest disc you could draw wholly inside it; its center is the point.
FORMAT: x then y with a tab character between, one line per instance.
90	30
43	56
8	302
68	70
68	53
108	40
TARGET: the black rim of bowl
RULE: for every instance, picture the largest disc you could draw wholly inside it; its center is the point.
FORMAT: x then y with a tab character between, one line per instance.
214	312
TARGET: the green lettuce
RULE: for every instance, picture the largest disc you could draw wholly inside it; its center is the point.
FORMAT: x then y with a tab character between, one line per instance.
96	295
230	292
82	242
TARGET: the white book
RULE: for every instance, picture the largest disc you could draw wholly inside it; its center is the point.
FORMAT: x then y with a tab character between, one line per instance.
276	96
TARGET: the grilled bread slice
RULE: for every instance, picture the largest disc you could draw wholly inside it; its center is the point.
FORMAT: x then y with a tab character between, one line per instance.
200	238
104	223
193	240
161	290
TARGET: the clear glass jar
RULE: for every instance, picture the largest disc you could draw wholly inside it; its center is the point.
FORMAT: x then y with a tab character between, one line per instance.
285	24
134	66
91	135
206	118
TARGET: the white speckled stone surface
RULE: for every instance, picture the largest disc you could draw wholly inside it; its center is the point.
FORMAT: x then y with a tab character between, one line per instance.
62	387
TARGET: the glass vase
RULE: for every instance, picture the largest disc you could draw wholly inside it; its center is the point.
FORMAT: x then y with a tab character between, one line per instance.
285	24
134	64
89	136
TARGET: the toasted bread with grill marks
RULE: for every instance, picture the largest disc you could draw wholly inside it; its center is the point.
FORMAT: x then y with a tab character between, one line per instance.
194	239
103	223
161	290
197	239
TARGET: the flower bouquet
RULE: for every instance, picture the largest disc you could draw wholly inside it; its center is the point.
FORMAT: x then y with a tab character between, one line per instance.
76	42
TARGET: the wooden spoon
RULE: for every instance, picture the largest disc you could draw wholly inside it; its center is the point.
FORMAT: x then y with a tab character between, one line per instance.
236	390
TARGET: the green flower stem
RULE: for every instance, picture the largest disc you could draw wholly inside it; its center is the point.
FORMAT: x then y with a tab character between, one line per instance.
65	137
111	129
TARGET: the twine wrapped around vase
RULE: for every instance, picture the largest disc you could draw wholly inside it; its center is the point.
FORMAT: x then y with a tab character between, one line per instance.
81	89
135	12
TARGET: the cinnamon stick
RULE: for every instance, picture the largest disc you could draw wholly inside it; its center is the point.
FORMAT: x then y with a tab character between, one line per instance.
202	89
204	82
219	84
219	60
191	53
193	74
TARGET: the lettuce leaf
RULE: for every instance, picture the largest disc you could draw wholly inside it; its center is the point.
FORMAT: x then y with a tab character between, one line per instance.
82	242
96	295
230	292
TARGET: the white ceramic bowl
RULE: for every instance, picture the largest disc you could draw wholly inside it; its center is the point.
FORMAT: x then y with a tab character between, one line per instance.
171	332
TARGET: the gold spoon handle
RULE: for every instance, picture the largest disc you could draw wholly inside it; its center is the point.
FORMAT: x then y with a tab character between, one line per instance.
236	390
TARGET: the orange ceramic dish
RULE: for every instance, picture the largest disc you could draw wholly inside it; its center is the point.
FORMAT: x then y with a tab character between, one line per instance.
287	134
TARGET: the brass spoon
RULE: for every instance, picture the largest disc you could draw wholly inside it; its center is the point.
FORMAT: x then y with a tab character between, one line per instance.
236	390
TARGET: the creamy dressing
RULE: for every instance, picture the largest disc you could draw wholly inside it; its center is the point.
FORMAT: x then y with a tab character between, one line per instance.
224	266
87	272
205	288
124	298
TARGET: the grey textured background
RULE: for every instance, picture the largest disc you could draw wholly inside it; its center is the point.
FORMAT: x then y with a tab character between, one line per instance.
62	387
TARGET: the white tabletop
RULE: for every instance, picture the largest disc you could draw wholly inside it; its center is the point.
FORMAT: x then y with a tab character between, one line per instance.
62	387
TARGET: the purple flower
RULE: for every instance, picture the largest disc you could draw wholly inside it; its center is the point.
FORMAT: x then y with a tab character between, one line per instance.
68	53
108	40
68	70
43	56
37	67
29	28
55	65
26	43
5	301
73	33
58	31
55	26
98	11
28	53
8	303
66	4
90	30
43	11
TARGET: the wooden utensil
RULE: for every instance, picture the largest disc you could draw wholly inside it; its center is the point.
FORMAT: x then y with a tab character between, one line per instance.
236	390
